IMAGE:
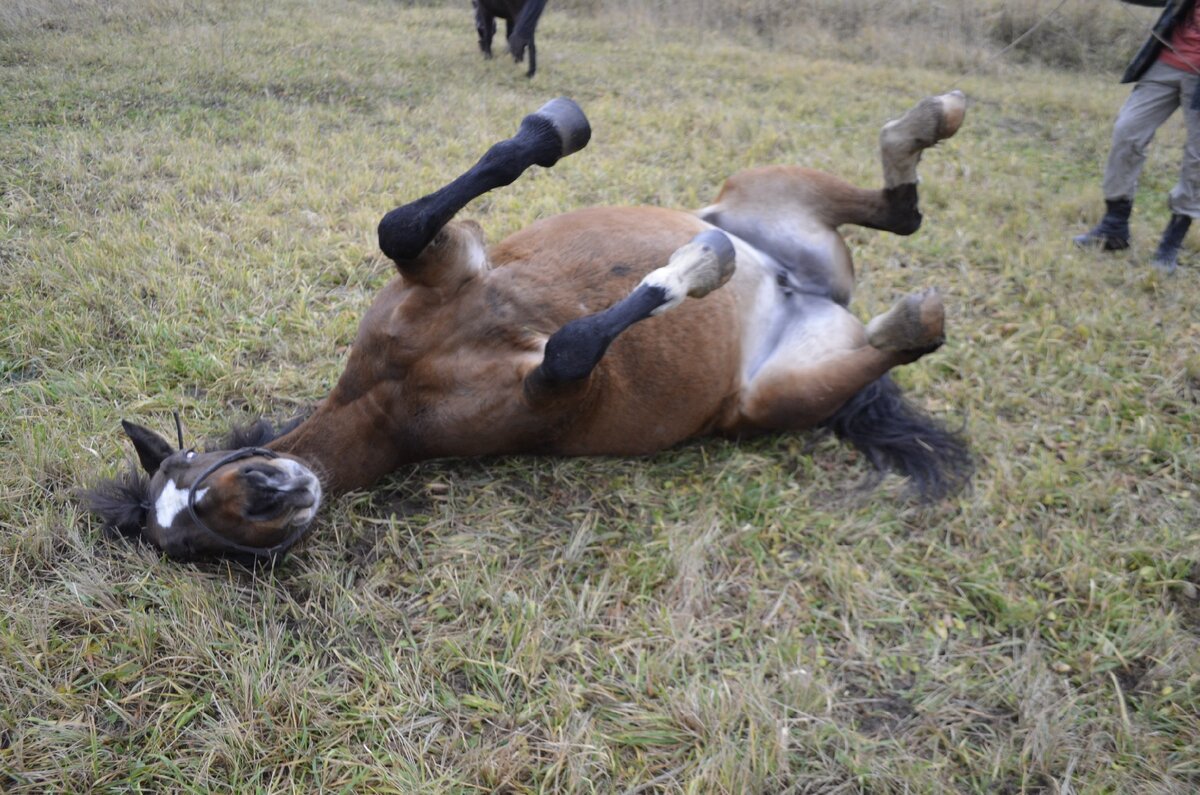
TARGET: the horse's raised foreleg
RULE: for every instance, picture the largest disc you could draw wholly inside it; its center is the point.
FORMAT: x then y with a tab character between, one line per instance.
572	352
556	130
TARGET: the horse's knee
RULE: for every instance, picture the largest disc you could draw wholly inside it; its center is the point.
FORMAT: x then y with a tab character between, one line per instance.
456	254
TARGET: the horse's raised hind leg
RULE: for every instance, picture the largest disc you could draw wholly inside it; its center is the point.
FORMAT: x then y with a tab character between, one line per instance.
831	371
572	352
794	213
827	357
901	142
557	129
913	327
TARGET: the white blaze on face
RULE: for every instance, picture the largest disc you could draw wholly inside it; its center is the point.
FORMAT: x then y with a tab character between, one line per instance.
171	500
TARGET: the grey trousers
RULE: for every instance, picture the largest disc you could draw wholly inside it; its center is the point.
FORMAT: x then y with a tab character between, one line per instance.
1155	97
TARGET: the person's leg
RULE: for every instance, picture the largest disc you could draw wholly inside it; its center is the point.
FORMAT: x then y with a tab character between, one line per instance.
1152	101
1184	199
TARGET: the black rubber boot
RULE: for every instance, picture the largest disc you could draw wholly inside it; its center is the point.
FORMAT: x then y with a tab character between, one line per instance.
1166	258
1112	233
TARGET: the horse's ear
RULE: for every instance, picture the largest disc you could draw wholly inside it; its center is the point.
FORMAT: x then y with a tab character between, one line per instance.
151	448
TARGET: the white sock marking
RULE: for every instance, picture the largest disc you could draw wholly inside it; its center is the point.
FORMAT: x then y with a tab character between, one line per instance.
693	270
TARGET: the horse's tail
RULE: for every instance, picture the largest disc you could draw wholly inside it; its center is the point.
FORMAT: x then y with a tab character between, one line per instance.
523	28
895	435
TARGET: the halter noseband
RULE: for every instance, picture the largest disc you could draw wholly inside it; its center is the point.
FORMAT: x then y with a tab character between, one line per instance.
222	541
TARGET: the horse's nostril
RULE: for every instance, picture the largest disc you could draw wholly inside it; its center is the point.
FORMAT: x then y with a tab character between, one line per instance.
262	476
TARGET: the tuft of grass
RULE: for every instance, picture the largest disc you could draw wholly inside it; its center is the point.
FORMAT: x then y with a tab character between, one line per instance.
188	201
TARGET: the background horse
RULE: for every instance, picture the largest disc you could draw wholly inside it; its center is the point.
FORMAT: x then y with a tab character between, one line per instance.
575	336
520	21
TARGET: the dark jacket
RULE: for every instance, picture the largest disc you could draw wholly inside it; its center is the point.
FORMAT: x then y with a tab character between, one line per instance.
1174	11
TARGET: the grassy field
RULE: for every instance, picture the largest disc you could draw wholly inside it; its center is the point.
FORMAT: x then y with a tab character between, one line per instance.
188	198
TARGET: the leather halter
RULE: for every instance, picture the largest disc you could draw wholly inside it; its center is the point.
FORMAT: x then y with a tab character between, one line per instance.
222	541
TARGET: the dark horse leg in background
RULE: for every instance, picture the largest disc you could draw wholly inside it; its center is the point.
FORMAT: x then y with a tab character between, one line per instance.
520	33
485	24
554	131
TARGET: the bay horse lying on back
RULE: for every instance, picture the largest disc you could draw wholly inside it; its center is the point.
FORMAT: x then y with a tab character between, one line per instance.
581	335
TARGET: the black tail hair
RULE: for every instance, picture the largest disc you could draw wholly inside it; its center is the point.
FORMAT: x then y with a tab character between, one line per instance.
897	436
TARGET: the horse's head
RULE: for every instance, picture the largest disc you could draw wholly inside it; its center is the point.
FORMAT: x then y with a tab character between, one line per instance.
246	502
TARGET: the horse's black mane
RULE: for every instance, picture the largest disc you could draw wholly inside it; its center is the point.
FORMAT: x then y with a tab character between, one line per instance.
256	434
121	503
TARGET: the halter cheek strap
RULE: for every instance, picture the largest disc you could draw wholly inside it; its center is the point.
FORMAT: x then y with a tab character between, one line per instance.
222	541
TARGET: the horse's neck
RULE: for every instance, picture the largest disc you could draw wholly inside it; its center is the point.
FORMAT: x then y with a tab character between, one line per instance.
343	444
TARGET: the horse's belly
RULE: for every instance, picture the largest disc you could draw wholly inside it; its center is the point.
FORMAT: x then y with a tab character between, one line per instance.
673	376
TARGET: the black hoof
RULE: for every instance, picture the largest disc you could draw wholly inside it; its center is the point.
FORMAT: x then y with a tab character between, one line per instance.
568	121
